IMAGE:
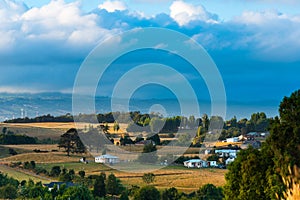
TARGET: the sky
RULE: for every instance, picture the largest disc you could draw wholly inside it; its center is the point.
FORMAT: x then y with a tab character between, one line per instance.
255	44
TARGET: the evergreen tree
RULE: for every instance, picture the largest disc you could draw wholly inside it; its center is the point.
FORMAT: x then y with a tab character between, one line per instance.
113	185
99	187
71	142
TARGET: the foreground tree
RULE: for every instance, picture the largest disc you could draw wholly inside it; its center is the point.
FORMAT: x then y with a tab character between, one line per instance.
259	174
147	193
8	192
113	185
209	192
76	193
99	187
171	194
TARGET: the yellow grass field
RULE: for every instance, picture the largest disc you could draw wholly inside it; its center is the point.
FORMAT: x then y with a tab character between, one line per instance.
184	179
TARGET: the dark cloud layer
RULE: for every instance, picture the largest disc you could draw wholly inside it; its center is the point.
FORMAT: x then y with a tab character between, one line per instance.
41	49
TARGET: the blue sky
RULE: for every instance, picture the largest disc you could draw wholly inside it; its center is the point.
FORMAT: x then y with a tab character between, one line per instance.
255	44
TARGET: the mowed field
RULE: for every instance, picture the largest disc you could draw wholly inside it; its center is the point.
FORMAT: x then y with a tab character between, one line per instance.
184	179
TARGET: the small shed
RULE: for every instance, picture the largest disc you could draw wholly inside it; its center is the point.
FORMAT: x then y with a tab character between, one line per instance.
110	159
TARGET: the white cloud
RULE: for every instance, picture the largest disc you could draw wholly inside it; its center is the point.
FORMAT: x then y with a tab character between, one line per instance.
184	13
112	6
260	18
57	20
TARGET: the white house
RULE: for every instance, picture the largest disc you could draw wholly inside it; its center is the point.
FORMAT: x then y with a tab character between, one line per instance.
226	152
195	163
229	160
234	139
107	159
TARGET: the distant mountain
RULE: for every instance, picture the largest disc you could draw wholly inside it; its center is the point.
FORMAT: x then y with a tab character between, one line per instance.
31	105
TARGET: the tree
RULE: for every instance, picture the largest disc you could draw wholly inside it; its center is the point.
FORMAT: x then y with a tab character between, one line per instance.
12	151
205	122
81	173
156	125
125	140
124	195
283	142
4	129
171	194
76	193
8	192
184	139
55	171
209	192
71	142
113	185
148	178
289	109
192	122
155	138
99	187
213	157
106	128
116	126
147	193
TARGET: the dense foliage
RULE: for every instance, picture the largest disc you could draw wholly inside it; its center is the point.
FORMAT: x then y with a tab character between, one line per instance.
259	174
8	139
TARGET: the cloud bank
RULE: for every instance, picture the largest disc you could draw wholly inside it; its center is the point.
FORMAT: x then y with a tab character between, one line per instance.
40	46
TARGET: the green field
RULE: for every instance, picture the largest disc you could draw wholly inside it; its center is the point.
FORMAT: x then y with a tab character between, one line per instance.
22	175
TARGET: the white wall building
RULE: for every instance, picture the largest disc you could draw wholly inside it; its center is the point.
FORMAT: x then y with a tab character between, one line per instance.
195	163
234	139
226	152
107	159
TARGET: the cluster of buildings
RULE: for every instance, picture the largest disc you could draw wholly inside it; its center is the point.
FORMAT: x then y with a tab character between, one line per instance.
228	154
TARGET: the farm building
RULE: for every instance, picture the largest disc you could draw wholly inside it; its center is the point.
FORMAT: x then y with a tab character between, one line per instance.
107	159
234	139
195	163
226	152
